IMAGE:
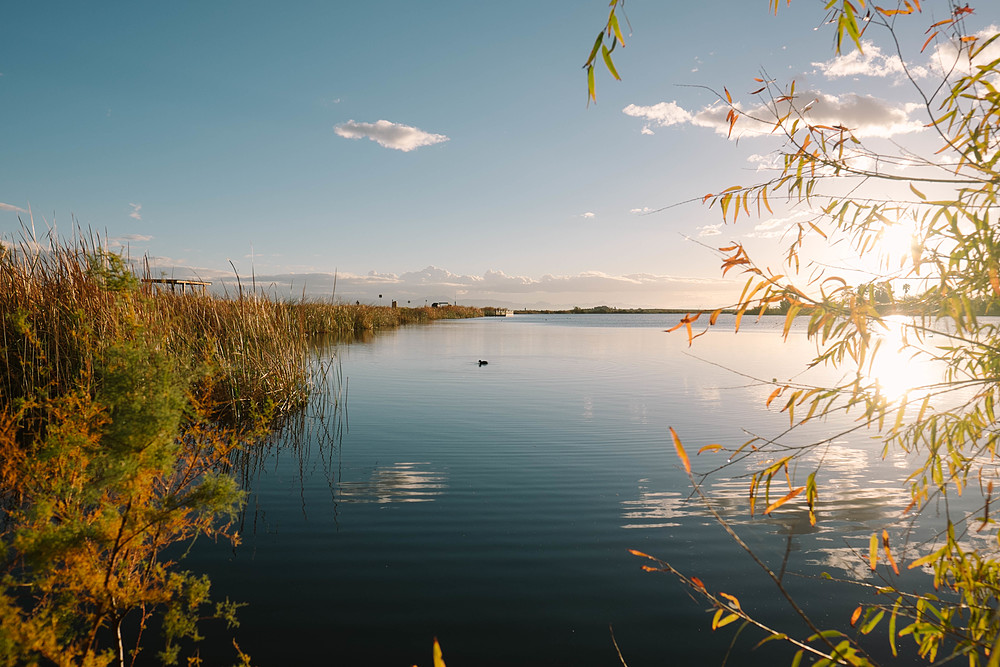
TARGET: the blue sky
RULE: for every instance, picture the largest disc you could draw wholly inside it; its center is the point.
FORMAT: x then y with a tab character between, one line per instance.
423	151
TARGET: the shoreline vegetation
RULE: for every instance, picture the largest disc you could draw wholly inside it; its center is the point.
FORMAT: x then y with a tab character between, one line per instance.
122	410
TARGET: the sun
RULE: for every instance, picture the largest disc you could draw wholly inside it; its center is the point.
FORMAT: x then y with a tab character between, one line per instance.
898	241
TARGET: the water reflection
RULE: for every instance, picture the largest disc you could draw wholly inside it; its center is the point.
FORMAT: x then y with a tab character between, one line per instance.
653	509
858	494
899	368
404	482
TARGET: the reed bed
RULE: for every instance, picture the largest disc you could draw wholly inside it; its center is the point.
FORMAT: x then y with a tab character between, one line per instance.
61	307
345	321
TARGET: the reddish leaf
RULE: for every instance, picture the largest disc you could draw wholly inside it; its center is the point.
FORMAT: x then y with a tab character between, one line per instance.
933	35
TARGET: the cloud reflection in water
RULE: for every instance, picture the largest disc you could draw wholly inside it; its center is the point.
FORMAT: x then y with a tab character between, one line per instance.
404	482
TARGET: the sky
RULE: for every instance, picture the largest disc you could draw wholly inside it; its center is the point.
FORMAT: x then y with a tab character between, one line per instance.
419	152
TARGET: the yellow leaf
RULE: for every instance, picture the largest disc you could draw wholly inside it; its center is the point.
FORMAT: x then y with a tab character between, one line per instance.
774	395
725	621
680	450
778	503
888	553
438	660
856	615
873	552
710	448
924	561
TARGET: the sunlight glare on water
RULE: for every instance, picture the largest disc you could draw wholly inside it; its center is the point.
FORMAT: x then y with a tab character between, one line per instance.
899	368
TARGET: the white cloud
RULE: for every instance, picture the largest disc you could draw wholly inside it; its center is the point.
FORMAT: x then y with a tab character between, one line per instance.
766	162
389	135
711	230
946	55
11	207
641	211
588	215
135	215
135	237
663	114
864	115
871	62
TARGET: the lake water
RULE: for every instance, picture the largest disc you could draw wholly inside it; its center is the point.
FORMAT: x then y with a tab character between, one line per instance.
494	506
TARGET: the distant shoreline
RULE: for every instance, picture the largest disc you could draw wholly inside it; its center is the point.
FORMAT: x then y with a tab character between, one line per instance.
607	310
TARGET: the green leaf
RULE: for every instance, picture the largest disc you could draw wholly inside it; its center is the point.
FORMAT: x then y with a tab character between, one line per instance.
870	624
607	61
613	22
892	626
593	51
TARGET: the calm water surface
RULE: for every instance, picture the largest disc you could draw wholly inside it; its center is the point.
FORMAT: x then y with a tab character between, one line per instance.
493	506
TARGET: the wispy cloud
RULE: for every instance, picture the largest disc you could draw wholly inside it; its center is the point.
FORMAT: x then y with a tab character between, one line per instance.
136	208
711	230
588	215
776	227
11	207
135	238
663	114
641	211
389	135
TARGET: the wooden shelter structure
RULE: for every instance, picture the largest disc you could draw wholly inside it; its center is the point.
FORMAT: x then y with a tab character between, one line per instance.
195	286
